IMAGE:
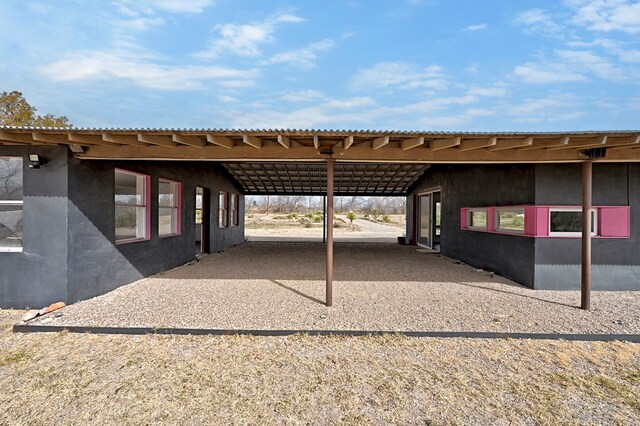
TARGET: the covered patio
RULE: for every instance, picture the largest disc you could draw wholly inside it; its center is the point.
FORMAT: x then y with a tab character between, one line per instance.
382	287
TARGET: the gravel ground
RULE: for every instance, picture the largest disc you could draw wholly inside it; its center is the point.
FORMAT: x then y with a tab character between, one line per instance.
376	287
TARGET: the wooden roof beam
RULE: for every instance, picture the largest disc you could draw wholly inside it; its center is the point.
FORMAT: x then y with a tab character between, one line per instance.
380	142
16	137
411	143
80	139
252	141
316	142
131	140
511	144
49	138
160	140
347	142
220	141
189	140
582	143
438	144
471	144
284	141
543	144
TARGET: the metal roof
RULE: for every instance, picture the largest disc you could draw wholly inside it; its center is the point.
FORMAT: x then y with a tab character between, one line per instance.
336	132
311	178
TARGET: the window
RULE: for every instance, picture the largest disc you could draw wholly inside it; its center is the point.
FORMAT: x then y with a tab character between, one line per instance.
223	203
235	199
11	201
131	206
568	222
510	220
169	200
477	218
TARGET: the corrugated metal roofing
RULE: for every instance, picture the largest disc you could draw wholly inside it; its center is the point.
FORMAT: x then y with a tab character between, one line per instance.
337	132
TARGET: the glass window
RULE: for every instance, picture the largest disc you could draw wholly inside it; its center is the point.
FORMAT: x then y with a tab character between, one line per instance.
168	207
477	219
223	203
131	207
234	209
11	202
510	220
568	222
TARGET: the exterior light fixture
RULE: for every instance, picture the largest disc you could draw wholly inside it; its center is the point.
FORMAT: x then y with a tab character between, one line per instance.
36	161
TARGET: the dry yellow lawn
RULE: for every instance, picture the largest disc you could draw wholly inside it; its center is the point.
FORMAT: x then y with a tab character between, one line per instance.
69	378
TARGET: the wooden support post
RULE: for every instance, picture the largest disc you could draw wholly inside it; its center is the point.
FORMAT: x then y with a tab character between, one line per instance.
329	288
324	219
587	172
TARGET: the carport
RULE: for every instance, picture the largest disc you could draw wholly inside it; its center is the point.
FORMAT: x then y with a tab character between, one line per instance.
331	163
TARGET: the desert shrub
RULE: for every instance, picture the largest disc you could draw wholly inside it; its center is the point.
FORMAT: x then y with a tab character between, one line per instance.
366	216
279	217
292	216
309	215
351	216
318	219
386	218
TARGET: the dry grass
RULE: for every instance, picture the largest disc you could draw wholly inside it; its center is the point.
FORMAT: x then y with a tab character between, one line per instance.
70	379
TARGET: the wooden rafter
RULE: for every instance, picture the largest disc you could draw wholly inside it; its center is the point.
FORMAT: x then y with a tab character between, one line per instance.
189	140
347	142
284	141
438	144
380	142
131	140
411	143
82	139
220	141
160	140
511	144
547	143
252	141
471	144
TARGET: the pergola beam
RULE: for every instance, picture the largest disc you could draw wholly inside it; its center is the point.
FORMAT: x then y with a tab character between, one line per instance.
407	144
220	141
542	144
16	137
582	143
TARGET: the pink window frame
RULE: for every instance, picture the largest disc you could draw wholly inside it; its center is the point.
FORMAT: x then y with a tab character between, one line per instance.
178	207
613	221
226	209
147	207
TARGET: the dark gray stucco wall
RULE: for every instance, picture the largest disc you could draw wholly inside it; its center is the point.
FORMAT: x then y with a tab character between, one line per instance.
481	186
38	275
96	264
616	262
69	251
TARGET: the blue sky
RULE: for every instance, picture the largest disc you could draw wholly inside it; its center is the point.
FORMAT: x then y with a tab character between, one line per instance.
334	64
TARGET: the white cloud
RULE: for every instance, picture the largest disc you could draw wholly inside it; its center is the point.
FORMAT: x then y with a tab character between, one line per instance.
142	69
558	107
140	23
476	27
303	96
399	75
133	7
246	39
607	15
568	65
543	74
492	91
539	20
305	58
